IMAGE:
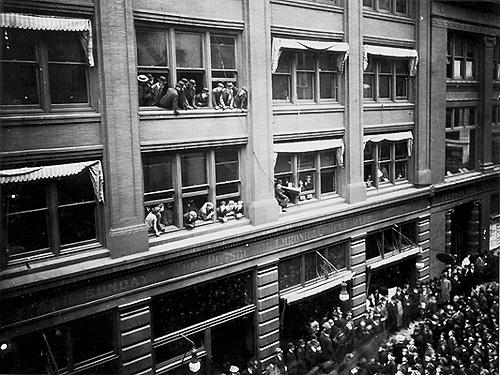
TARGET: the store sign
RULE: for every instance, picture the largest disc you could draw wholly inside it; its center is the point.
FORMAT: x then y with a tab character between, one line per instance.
495	233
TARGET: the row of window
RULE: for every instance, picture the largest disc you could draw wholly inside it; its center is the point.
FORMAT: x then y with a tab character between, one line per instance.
399	7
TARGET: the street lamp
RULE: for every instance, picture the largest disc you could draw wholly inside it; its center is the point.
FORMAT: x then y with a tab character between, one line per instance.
344	294
194	362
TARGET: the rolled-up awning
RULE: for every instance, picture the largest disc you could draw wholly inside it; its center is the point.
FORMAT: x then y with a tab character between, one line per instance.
395	258
317	288
279	43
399	136
52	23
312	146
410	54
56	171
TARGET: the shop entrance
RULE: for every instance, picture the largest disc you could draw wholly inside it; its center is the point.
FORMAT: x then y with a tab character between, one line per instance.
392	275
460	227
296	316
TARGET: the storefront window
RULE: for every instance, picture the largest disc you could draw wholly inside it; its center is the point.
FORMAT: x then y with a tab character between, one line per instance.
289	273
200	303
495	135
72	347
396	238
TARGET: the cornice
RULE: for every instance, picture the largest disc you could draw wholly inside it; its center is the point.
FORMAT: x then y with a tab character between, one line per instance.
309	136
451	24
389	42
68	7
63	154
291	32
177	19
310	5
190	144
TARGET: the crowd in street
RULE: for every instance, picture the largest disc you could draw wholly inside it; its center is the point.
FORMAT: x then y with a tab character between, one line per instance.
185	95
454	321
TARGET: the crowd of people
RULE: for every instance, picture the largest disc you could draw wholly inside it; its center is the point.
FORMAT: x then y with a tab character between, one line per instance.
160	217
454	321
185	94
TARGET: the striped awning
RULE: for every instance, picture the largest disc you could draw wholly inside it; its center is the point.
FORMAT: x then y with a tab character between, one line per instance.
405	53
311	146
319	46
398	136
51	23
56	171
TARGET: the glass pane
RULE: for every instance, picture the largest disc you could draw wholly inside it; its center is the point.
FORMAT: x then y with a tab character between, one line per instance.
409	231
401	150
385	83
368	173
337	256
401	6
495	145
373	245
401	87
327	158
223	52
305	85
19	84
281	87
459	46
449	118
469	69
369	151
225	189
305	61
385	66
64	46
311	266
226	166
68	83
327	61
384	5
178	348
327	85
194	169
307	161
157	171
471	49
26	232
188	50
457	69
289	273
328	181
285	62
460	151
152	48
89	343
23	196
471	116
283	164
76	188
368	86
401	66
77	223
367	3
18	44
384	150
200	303
401	170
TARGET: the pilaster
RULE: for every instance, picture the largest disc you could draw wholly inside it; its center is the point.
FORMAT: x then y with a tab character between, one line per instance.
120	124
358	266
473	228
423	239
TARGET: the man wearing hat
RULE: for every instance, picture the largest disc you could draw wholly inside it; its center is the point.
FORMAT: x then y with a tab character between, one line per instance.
301	357
228	95
291	359
201	99
145	91
217	101
327	350
157	89
241	98
171	98
190	90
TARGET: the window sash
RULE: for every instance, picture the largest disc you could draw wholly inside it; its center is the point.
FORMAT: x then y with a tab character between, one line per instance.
385	168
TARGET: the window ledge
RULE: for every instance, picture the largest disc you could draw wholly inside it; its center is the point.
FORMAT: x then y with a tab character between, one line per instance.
290	109
367	106
157	112
385	190
39	118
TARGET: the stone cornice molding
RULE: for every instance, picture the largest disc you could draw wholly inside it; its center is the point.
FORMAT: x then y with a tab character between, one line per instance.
450	24
291	32
310	5
402	43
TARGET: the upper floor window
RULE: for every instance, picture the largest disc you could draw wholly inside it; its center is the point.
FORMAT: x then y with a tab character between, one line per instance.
204	59
50	214
306	175
386	79
46	68
307	71
461	57
70	347
386	159
206	182
461	126
388	6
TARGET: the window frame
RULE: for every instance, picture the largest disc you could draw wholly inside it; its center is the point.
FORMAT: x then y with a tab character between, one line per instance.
392	9
496	60
376	159
293	72
383	236
53	216
376	74
458	119
316	171
174	73
178	193
451	57
42	65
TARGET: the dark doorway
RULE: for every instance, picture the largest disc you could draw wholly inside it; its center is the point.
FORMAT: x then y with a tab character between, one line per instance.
394	274
460	222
